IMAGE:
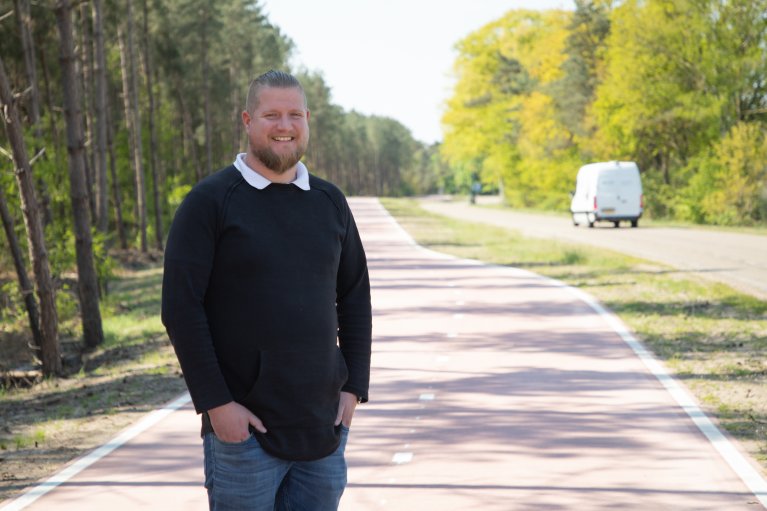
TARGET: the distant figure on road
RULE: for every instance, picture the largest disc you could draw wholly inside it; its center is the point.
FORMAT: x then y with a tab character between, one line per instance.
475	189
266	299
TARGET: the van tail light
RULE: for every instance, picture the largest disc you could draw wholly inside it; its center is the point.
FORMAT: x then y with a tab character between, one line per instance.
595	203
641	201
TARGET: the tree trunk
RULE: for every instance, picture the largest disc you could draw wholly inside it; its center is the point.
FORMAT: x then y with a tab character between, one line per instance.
132	117
116	197
24	19
154	164
236	111
86	77
100	103
206	95
87	279
28	47
49	102
25	285
50	352
186	126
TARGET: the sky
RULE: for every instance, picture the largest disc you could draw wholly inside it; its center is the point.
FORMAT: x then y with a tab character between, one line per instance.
392	58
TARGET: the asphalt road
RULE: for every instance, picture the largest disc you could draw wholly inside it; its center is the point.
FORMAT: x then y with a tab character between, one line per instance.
739	260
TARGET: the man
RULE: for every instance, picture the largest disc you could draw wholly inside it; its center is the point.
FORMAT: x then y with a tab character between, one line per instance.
266	300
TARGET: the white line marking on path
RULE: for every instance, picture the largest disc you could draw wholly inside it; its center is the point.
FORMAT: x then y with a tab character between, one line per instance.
426	397
400	458
86	461
742	467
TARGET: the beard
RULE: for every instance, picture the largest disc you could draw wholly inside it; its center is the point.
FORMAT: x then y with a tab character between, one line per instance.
278	163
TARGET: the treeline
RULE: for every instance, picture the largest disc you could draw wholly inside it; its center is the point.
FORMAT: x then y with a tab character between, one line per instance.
679	86
112	111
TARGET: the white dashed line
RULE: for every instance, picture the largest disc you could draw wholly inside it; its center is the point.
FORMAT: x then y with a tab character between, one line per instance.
401	458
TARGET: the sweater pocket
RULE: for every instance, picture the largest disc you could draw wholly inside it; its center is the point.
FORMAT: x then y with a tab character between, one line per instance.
298	389
296	396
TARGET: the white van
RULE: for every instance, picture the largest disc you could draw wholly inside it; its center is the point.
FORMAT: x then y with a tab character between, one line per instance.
607	191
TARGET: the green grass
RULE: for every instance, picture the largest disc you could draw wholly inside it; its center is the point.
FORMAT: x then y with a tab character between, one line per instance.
713	338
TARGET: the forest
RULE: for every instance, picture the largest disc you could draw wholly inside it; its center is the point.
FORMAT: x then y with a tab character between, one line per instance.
112	111
679	86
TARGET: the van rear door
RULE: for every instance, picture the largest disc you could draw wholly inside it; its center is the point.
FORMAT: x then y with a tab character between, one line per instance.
619	193
608	193
630	196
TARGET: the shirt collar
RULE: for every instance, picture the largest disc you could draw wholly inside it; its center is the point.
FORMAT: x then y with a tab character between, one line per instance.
256	180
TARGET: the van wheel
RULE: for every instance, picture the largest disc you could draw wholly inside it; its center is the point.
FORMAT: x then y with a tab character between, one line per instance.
616	224
591	219
635	222
575	222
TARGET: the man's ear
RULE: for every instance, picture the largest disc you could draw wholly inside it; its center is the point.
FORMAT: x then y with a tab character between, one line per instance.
245	118
307	116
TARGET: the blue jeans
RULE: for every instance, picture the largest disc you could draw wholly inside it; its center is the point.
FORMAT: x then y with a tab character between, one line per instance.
243	477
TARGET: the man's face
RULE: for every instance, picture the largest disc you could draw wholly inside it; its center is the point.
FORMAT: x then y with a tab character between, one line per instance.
278	129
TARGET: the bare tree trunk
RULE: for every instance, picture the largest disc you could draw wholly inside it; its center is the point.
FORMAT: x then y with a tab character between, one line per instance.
206	95
100	103
27	291
25	29
87	279
49	100
130	100
153	160
86	77
28	46
45	200
189	137
50	351
126	99
116	197
236	109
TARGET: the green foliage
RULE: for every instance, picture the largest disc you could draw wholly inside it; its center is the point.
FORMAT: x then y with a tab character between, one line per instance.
11	302
361	154
730	184
176	194
105	265
679	86
574	92
66	302
501	122
656	104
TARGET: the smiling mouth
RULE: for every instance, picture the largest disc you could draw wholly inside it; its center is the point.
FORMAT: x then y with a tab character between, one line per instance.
283	139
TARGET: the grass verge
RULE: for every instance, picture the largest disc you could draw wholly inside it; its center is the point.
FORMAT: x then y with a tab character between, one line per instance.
711	337
133	372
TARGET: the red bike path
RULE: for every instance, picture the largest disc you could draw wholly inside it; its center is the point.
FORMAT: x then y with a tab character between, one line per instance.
492	389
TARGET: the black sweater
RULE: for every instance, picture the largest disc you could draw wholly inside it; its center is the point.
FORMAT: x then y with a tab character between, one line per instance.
260	289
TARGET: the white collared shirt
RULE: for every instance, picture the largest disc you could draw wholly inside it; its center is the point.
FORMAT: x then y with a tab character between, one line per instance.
256	180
